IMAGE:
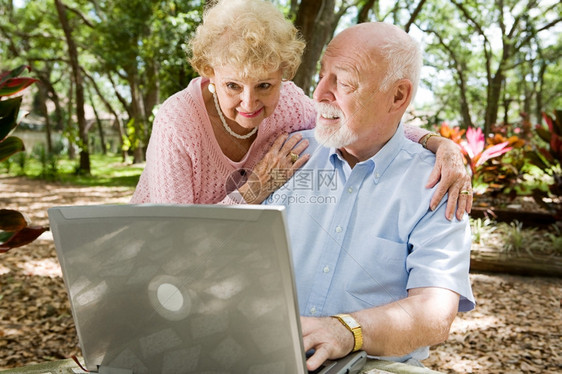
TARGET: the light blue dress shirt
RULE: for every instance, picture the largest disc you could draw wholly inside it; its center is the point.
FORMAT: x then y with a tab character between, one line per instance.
362	237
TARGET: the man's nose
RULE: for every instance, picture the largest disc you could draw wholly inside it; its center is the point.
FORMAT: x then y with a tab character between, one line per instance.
323	91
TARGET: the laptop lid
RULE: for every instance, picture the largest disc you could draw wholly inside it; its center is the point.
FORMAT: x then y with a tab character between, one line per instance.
180	288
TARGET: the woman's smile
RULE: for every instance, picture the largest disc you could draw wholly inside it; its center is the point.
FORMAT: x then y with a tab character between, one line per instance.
251	114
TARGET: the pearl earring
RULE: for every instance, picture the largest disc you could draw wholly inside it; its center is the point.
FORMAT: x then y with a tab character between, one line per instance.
211	87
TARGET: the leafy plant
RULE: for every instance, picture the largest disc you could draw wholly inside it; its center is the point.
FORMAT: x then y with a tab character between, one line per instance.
481	229
504	175
476	151
48	162
548	158
21	159
556	238
15	230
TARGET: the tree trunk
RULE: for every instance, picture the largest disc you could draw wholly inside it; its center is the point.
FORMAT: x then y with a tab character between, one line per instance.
45	76
315	20
465	108
69	127
100	128
459	67
139	117
493	100
54	97
118	122
84	166
538	98
153	88
43	104
152	97
363	13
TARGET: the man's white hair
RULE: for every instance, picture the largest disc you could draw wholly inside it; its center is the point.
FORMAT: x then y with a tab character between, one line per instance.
404	58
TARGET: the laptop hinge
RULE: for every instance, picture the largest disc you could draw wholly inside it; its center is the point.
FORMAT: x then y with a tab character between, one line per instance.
110	370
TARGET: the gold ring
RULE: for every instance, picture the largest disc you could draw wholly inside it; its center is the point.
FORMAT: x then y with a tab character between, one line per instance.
465	192
294	157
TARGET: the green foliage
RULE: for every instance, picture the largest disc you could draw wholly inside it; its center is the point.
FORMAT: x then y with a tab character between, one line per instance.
11	84
555	238
492	162
516	240
107	170
48	161
547	156
7	163
514	237
481	229
469	43
14	228
21	159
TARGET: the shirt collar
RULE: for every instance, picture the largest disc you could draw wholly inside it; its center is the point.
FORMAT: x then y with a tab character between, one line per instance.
382	159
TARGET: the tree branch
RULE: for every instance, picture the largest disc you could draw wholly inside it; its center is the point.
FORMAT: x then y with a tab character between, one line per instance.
414	16
80	15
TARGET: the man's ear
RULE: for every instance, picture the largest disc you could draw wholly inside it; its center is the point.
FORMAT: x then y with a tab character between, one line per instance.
402	94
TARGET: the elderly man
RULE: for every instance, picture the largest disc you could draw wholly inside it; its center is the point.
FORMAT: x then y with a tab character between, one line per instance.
375	268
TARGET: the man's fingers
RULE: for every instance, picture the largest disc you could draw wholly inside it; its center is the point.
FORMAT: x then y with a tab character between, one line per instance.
317	359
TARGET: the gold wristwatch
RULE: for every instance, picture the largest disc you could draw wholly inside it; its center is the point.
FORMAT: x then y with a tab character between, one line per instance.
352	325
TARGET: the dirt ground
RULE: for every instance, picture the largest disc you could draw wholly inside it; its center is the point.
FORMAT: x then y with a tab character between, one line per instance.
516	327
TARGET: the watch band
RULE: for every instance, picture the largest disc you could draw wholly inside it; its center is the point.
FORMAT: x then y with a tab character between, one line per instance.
426	137
352	325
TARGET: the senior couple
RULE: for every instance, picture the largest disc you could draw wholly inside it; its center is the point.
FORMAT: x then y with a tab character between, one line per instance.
381	264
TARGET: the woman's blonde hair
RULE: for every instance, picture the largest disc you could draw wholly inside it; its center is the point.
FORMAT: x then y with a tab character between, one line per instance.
251	36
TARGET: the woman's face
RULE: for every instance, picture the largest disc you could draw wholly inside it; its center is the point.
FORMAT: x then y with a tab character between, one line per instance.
248	101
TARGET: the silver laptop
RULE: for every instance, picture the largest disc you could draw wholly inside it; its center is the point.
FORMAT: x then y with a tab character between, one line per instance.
183	289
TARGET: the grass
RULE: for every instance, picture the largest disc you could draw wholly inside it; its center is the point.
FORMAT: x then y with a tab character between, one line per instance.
514	239
106	170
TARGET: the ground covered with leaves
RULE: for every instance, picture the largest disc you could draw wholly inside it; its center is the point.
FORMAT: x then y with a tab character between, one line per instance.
516	327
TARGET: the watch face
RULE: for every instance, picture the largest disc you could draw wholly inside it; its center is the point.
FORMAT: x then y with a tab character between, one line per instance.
350	321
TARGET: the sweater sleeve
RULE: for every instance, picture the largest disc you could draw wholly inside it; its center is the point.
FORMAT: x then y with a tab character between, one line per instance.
298	107
414	133
168	176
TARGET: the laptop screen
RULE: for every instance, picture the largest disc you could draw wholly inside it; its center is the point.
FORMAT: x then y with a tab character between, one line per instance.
174	289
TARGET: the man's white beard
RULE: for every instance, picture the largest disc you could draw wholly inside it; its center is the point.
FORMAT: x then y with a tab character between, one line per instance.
336	135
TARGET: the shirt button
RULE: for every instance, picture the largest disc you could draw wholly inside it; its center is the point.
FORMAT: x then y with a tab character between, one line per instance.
313	310
339	229
350	189
326	269
377	175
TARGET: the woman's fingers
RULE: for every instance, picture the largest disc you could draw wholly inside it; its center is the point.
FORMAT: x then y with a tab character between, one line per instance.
278	165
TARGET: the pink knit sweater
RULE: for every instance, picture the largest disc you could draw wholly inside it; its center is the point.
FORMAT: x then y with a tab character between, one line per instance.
185	164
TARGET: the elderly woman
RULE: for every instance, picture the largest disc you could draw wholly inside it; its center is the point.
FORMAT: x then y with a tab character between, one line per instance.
224	139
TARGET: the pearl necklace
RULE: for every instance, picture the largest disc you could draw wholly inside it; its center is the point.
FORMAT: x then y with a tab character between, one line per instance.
212	90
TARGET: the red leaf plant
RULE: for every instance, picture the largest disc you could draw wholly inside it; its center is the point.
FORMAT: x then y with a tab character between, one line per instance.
476	151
